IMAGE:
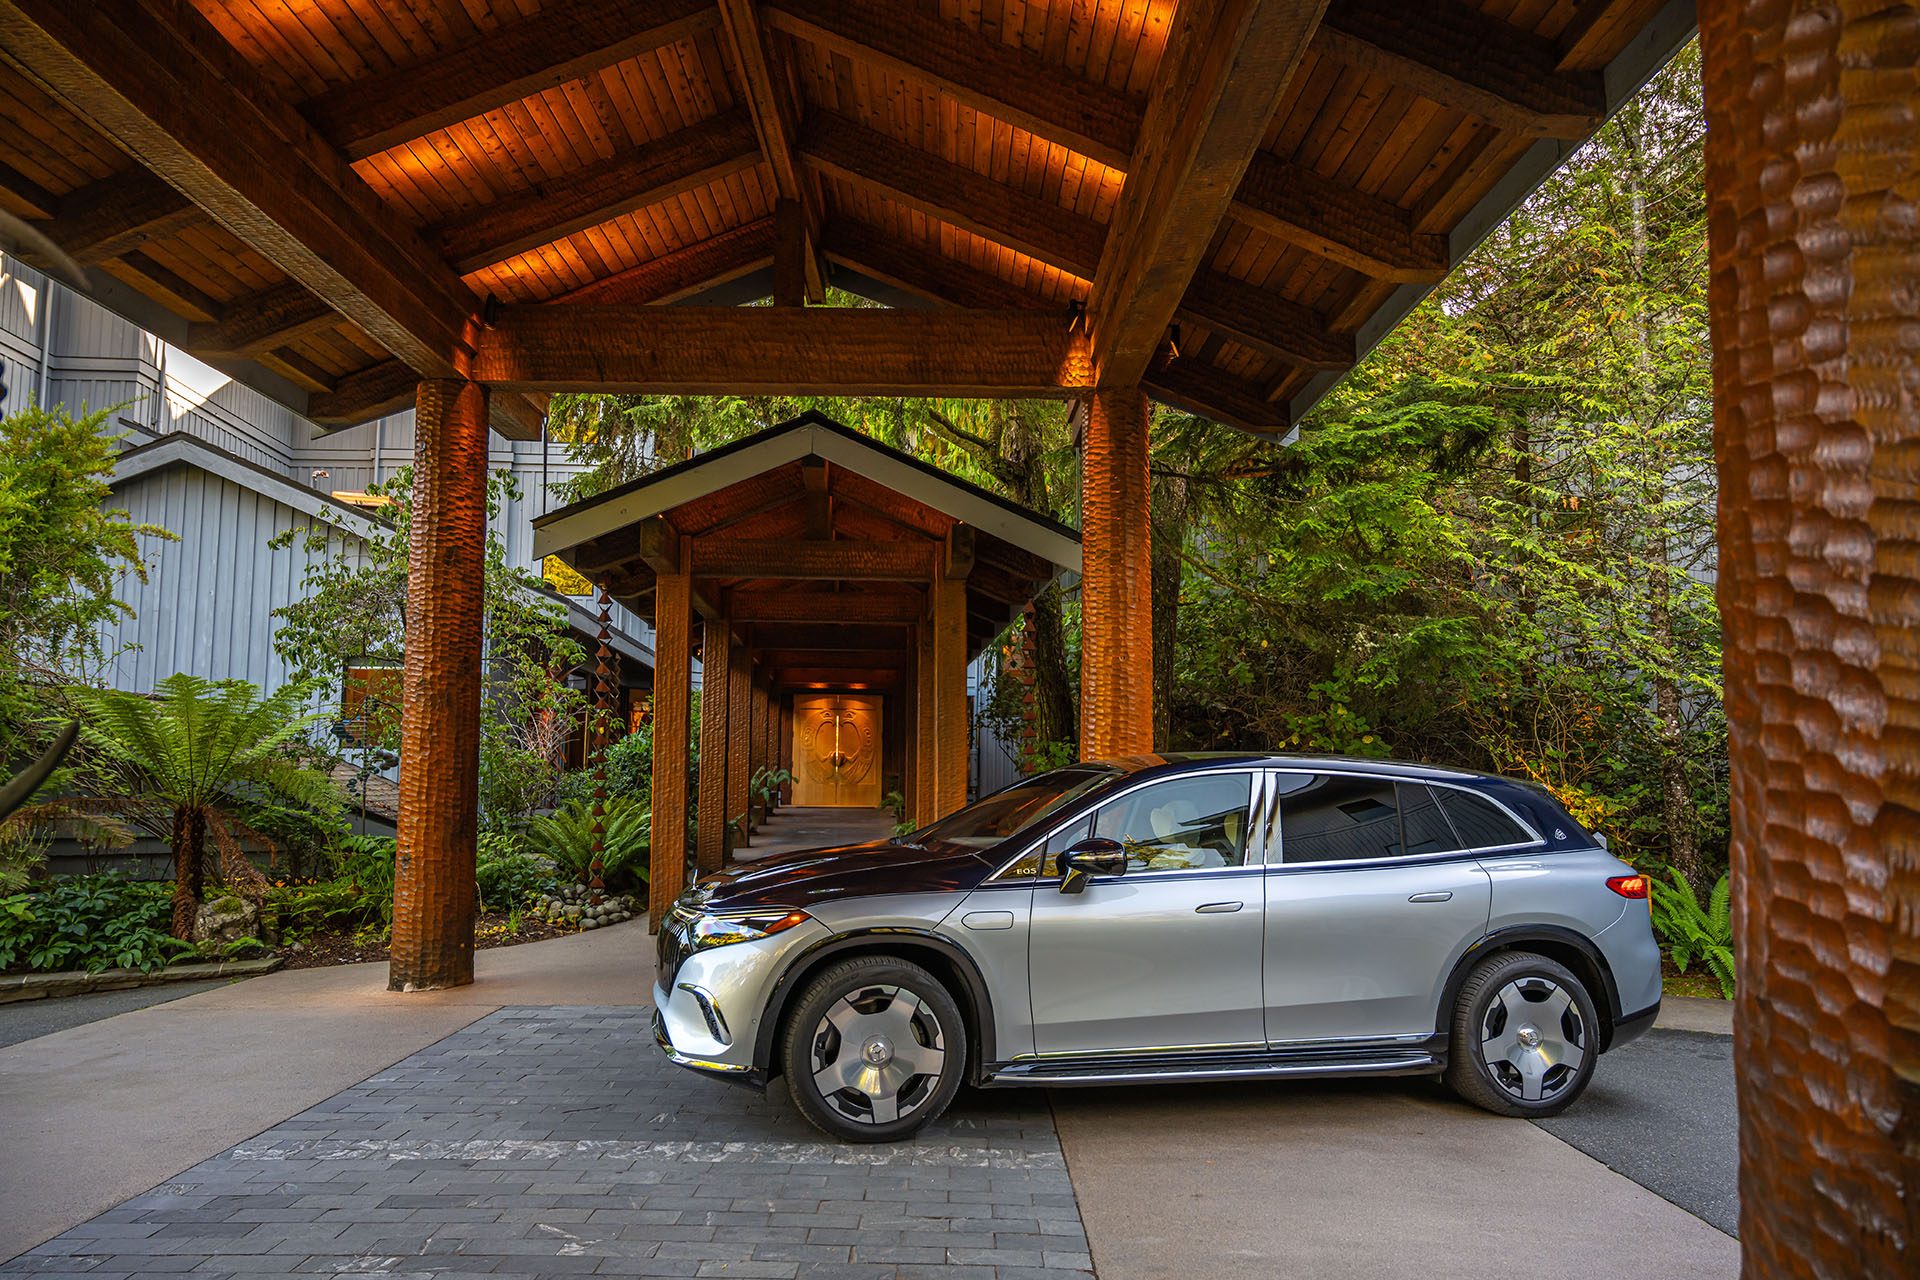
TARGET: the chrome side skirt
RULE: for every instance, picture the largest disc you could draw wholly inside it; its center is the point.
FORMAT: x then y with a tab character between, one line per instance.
1059	1072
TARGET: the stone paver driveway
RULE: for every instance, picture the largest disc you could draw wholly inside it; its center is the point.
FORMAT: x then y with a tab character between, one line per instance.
559	1142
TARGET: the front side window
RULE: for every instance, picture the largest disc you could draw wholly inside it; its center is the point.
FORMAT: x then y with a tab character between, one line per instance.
1182	824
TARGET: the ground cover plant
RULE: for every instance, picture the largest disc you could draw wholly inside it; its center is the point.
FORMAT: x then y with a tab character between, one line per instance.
90	923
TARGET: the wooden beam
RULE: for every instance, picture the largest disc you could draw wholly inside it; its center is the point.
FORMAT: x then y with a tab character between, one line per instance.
1451	53
1369	234
955	194
1266	322
1226	66
274	317
160	81
114	215
684	272
384	388
684	160
846	561
909	38
787	605
767	87
562	42
789	254
890	659
870	677
825	634
774	350
1200	388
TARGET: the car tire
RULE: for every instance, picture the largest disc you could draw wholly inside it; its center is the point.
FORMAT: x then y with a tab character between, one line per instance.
1520	1022
886	1032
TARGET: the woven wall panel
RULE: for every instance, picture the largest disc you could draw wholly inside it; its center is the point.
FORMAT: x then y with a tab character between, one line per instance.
433	896
1813	156
1116	663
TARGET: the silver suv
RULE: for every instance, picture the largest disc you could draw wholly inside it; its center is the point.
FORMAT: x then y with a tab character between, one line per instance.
1172	918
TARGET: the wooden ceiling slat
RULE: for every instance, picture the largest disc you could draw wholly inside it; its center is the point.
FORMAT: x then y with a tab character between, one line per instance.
570	41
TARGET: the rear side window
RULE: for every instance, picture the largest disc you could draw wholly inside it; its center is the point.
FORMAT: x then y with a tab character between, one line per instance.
1482	824
1337	818
1424	827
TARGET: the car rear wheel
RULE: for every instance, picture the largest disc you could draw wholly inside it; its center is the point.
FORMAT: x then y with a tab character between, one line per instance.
874	1049
1525	1036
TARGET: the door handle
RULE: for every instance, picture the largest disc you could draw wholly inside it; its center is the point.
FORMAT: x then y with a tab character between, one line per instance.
1442	895
1217	908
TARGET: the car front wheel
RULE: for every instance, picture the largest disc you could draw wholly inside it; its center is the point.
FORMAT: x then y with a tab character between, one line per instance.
1525	1036
874	1050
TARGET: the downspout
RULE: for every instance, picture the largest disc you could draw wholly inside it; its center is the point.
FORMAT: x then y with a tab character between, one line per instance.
43	392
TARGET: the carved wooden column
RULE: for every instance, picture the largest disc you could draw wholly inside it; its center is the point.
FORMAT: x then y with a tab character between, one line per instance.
672	694
1813	172
759	756
739	732
951	725
1116	583
716	707
433	890
926	806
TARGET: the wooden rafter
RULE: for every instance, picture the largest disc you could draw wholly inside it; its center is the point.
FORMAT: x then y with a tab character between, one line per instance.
767	88
1202	389
1451	53
1371	235
682	161
166	86
1226	67
278	315
684	272
115	215
778	350
911	39
560	43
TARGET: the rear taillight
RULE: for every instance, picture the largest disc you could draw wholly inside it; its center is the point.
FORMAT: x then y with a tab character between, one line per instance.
1628	886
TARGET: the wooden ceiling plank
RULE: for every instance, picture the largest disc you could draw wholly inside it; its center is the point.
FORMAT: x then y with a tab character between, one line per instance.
767	88
815	605
166	86
684	160
1221	78
684	272
1451	53
1199	388
868	250
560	43
1270	324
910	39
777	350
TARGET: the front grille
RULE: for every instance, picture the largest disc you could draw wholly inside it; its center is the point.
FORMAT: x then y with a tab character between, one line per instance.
670	950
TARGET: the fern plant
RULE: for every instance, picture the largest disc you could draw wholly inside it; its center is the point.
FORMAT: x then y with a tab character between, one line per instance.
1689	931
191	755
565	838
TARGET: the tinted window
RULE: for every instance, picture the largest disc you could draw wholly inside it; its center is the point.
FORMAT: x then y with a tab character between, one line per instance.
1423	827
1336	818
1181	824
1046	861
988	821
1480	822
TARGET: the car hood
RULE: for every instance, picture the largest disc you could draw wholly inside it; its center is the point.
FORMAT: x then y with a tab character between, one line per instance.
808	876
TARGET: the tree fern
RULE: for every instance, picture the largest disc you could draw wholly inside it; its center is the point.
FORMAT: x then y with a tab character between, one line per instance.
565	838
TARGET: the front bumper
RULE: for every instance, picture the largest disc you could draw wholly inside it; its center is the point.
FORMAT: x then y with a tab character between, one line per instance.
709	1005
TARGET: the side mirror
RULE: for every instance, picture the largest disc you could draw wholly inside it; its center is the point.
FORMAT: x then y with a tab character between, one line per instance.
1096	857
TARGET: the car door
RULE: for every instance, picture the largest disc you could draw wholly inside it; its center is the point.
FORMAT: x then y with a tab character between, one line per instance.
1166	955
1369	901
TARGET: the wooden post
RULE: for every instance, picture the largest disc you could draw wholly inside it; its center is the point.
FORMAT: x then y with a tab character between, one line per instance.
672	696
1116	583
789	254
761	760
739	733
926	805
433	889
952	727
716	709
1813	165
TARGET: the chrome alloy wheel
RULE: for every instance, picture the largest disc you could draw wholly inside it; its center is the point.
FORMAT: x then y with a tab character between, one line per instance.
1533	1039
877	1054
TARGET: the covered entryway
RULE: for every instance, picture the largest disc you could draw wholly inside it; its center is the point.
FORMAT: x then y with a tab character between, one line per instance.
834	590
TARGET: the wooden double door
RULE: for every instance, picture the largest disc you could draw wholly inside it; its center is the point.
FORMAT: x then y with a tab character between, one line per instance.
836	750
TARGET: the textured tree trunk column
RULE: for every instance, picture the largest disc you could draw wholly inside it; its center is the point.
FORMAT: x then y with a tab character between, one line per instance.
926	805
433	893
672	694
952	727
1813	171
739	732
710	832
1116	581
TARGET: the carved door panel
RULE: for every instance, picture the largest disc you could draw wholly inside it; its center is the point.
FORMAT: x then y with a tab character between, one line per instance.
836	749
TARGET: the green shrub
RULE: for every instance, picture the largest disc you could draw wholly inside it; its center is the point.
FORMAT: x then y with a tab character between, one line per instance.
1688	931
506	874
367	861
91	923
565	838
303	909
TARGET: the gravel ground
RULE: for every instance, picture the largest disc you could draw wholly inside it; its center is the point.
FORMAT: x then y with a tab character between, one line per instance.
1661	1111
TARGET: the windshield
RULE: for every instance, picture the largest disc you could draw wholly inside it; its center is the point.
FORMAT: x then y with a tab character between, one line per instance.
988	821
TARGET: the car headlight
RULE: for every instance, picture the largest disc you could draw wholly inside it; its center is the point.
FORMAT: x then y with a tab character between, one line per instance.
705	931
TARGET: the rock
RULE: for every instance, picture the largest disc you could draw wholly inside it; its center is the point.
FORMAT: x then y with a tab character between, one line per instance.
589	923
574	913
225	919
